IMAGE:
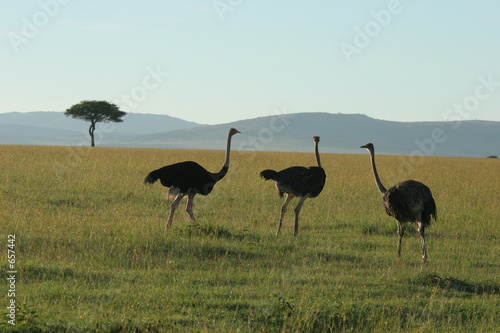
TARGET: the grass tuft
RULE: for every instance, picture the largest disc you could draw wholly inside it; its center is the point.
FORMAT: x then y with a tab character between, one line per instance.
454	284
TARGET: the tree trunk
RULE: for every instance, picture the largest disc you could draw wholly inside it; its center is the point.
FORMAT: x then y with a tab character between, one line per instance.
91	132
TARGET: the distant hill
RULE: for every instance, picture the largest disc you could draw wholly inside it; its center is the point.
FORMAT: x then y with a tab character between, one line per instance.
54	128
340	133
132	123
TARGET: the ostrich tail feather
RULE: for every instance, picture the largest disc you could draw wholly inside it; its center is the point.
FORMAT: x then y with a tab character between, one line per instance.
150	179
269	174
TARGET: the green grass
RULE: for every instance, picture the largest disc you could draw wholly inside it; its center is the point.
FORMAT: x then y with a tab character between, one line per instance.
93	254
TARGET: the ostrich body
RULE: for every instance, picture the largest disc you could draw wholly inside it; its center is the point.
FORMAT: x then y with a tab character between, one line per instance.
299	182
408	201
189	178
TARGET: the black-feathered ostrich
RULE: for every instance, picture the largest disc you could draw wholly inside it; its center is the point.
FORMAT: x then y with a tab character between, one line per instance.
299	182
189	178
408	201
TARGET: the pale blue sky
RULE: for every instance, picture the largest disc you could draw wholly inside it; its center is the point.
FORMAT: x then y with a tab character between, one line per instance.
219	61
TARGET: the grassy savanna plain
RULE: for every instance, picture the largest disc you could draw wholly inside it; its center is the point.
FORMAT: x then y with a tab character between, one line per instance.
92	253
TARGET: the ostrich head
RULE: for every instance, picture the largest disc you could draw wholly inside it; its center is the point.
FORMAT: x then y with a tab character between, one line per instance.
233	131
368	146
316	138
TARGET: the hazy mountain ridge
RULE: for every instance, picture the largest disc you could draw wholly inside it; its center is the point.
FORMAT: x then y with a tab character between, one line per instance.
132	123
340	133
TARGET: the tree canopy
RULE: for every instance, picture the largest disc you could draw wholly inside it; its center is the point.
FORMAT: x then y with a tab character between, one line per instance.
95	112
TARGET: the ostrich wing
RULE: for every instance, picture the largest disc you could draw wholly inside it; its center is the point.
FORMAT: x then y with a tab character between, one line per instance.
397	205
187	177
301	181
407	199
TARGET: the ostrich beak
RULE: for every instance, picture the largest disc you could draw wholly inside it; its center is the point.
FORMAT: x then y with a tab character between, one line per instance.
364	146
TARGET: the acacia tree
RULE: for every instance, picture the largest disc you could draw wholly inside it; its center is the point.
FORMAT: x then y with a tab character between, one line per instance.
95	112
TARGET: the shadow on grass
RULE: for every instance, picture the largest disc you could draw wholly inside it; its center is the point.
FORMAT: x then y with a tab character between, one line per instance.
323	256
41	273
78	202
161	249
381	230
451	283
217	231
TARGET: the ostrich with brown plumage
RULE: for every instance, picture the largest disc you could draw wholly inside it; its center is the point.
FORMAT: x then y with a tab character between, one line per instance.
297	181
408	201
189	178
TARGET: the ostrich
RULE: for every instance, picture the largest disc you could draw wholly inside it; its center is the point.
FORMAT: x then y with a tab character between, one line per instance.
188	178
297	181
408	201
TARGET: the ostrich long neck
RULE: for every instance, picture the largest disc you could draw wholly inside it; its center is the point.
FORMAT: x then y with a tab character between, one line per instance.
316	152
381	187
219	175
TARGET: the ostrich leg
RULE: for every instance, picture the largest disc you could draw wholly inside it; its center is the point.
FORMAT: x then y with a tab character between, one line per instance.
173	207
297	211
189	206
400	237
421	230
288	198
